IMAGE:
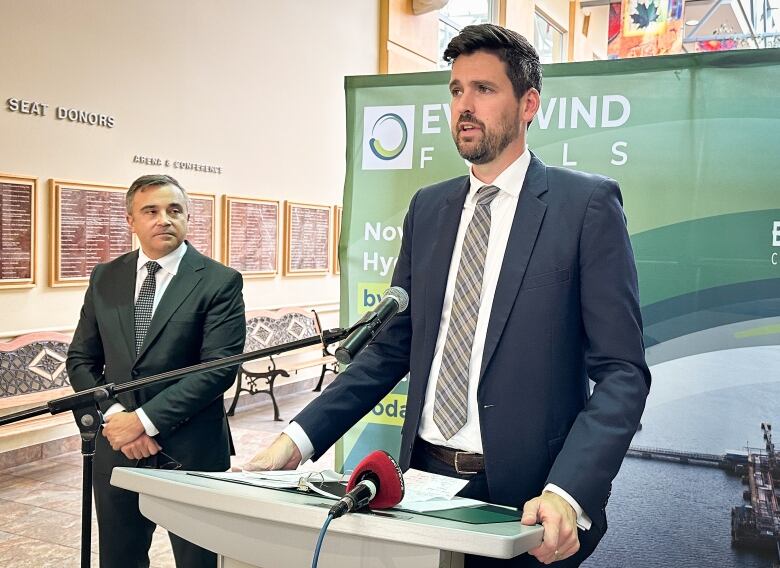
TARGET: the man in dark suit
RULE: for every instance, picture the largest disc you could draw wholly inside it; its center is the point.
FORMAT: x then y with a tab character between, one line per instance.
160	308
522	286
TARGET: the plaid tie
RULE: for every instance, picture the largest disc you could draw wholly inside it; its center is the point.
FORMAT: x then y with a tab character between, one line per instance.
450	405
144	304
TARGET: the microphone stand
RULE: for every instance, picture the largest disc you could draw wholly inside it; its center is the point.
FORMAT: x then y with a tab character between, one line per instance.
89	419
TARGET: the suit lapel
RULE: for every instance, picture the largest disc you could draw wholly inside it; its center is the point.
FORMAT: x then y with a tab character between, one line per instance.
181	285
522	238
125	305
446	231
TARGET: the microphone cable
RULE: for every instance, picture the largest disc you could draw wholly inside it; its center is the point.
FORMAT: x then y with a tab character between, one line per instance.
376	482
324	528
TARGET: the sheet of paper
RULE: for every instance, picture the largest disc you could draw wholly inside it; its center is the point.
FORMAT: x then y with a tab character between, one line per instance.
430	492
426	486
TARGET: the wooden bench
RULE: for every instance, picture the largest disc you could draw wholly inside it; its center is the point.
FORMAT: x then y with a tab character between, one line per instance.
269	328
32	372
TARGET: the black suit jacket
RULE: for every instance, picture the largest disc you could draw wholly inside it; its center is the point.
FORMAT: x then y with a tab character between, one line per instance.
566	308
199	318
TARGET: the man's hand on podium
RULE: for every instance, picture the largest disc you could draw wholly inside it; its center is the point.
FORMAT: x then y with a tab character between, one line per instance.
281	454
560	527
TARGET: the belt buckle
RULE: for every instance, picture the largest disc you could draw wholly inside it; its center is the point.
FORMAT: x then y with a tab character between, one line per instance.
457	465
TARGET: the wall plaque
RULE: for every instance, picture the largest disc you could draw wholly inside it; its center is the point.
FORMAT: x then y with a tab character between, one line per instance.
89	226
307	239
201	227
17	231
251	235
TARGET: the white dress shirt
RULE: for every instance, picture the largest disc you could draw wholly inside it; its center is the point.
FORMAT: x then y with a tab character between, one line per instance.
502	214
169	266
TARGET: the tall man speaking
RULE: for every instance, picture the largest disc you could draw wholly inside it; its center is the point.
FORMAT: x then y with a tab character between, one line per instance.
522	286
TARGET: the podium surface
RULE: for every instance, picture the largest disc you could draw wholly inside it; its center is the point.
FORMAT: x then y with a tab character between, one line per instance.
267	528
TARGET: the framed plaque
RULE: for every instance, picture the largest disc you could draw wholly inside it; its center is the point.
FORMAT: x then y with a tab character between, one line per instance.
307	239
201	227
88	227
17	231
337	209
251	235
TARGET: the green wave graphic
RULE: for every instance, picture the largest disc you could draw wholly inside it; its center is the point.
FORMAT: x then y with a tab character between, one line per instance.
709	284
701	254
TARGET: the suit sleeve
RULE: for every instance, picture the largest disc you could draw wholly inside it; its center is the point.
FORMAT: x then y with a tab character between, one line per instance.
614	356
86	358
374	371
224	332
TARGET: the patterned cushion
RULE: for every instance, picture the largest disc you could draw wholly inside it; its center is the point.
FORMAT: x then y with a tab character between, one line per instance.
266	331
35	367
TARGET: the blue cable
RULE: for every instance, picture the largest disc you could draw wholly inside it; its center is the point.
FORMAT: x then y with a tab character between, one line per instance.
319	541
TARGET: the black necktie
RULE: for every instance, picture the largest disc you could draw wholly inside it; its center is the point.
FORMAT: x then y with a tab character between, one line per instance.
144	305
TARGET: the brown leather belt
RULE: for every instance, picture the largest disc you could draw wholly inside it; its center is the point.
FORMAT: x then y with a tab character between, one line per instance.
464	463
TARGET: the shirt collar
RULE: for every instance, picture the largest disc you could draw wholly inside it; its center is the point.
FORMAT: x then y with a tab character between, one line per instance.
170	262
509	181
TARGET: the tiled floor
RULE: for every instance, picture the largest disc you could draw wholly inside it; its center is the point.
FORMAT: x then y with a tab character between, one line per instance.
40	501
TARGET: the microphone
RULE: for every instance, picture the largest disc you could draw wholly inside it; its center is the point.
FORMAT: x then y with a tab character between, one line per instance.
394	300
377	482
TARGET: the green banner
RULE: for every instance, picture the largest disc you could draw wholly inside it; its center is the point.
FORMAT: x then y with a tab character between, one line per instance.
691	139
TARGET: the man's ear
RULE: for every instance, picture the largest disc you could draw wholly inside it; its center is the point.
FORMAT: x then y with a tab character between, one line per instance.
532	100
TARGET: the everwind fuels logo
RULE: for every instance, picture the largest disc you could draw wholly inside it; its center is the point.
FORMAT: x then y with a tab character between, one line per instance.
376	144
388	136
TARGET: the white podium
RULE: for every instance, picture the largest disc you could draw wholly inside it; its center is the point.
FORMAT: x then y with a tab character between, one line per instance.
256	527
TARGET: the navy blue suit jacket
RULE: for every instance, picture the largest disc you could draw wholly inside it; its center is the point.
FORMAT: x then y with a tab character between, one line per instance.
566	309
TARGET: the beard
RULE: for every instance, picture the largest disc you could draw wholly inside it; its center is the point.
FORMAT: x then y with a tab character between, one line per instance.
492	143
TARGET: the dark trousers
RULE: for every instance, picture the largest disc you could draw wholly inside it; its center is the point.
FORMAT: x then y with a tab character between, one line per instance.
125	535
477	488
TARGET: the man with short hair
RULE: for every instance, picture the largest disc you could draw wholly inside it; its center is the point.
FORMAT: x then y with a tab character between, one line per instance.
522	286
159	308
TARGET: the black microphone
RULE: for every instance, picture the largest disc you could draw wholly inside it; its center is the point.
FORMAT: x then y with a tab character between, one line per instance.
356	499
377	482
394	300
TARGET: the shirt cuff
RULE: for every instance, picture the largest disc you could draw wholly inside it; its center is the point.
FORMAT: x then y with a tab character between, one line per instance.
114	409
583	520
150	428
300	439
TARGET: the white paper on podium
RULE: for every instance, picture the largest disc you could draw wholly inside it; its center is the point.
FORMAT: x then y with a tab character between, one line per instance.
423	492
430	492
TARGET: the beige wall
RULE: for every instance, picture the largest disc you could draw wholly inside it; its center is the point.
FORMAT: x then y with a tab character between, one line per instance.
557	10
595	43
518	15
408	43
254	87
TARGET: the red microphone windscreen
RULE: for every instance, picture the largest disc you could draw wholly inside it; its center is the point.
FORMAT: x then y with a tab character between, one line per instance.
387	472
